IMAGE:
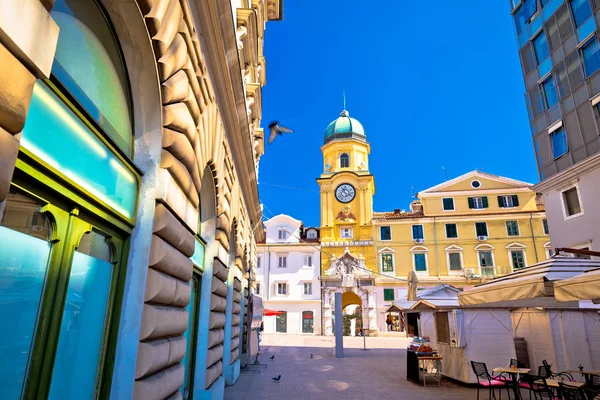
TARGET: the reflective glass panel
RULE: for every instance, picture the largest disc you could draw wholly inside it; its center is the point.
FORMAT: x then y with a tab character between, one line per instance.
84	318
541	47
24	256
189	334
59	138
550	93
89	64
581	11
591	57
559	143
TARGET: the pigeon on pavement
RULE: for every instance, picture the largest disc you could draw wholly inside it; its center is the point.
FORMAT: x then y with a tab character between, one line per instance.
276	129
273	357
277	378
311	355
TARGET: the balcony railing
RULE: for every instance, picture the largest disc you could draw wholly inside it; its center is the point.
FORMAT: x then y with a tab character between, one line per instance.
487	272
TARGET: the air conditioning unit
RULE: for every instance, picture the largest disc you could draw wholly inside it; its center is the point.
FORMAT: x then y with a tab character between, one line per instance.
419	241
482	238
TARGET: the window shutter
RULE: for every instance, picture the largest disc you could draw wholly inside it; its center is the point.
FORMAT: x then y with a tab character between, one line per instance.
470	200
501	201
515	199
485	202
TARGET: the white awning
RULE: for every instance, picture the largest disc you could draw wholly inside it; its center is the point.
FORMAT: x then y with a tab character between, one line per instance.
534	282
585	286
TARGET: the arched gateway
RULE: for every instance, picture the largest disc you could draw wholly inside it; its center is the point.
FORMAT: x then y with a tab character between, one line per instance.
348	274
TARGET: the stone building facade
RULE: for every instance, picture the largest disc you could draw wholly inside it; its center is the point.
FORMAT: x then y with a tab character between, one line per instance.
129	146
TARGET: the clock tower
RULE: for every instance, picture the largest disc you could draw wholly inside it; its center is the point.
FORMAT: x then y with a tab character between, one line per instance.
347	188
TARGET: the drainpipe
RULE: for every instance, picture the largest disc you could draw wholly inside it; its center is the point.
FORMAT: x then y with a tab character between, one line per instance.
268	277
437	257
533	237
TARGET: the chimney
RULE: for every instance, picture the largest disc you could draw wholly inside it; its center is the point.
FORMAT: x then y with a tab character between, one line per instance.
397	211
416	207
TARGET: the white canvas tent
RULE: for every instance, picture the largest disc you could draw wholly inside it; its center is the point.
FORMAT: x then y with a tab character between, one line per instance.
565	333
531	286
424	315
585	286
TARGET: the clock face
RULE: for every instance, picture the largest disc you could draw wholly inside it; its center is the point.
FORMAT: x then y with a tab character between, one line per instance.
345	193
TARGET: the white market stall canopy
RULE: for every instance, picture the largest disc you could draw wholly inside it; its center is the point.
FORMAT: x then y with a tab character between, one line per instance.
433	304
585	286
531	286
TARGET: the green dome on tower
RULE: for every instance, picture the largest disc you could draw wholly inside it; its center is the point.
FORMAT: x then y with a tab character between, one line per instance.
344	127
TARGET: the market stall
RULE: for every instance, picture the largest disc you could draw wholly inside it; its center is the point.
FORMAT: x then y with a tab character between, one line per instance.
566	334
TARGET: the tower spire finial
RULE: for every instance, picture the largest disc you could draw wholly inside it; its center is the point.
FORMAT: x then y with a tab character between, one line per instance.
344	95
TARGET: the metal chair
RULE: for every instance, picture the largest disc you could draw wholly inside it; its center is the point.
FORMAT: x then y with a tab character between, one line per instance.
560	375
544	371
593	381
527	381
592	393
543	391
567	392
485	380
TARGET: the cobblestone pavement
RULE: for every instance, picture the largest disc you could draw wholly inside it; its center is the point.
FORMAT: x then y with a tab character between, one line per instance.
378	373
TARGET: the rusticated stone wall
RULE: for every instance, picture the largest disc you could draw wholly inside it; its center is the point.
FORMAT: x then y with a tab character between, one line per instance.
193	138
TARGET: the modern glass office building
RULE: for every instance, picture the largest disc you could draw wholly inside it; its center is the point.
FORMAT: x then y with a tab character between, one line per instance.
560	59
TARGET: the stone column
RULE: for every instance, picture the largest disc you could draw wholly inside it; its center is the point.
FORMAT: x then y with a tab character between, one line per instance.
327	312
28	38
372	310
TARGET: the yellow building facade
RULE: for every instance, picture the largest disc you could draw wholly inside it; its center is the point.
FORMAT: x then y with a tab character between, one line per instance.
474	227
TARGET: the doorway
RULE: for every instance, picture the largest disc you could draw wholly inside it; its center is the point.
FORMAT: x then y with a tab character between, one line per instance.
281	322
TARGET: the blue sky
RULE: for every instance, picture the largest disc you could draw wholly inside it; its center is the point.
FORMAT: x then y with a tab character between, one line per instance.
433	86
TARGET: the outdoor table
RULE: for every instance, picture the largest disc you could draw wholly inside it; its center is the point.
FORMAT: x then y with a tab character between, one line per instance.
586	374
435	364
553	383
513	374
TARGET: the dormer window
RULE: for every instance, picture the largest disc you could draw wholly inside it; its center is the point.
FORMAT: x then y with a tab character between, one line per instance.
344	161
312	234
282	234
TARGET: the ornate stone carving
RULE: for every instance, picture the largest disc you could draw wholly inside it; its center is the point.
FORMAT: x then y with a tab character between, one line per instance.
346	215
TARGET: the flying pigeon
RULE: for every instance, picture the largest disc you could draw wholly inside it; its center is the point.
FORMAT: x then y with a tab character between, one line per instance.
311	355
273	357
277	129
277	378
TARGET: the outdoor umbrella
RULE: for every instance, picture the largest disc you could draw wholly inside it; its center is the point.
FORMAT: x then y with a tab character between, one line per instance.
269	313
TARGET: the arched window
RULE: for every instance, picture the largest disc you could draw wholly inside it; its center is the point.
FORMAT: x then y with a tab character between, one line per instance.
344	160
88	64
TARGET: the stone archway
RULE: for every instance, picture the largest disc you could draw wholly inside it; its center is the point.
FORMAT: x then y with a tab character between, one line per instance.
349	276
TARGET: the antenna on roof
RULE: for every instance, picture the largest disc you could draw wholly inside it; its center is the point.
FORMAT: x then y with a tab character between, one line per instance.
344	96
412	192
445	172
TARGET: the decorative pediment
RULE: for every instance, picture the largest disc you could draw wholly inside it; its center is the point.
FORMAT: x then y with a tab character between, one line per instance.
349	268
516	245
485	181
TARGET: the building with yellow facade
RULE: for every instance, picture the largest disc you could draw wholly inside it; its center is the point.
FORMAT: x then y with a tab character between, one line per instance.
465	230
